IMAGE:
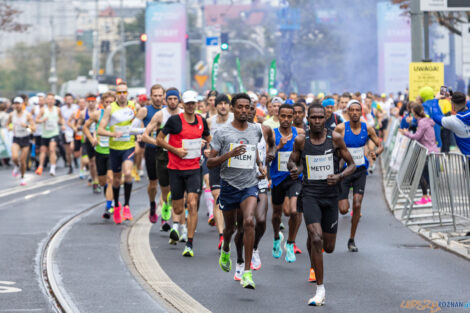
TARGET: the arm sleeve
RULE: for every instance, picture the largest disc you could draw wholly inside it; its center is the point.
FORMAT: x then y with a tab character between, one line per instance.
173	125
436	113
206	132
418	135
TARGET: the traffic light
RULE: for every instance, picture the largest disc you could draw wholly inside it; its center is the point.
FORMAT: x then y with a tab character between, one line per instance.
224	41
143	40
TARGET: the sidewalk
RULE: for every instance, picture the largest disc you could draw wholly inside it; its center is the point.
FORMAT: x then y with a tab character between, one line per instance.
438	229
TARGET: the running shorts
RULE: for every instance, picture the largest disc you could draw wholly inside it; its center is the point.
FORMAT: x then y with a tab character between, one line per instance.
181	181
150	155
214	178
89	149
47	141
103	163
287	188
21	141
119	156
231	197
357	181
322	210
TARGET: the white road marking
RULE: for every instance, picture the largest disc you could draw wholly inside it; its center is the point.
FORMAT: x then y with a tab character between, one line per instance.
47	182
6	289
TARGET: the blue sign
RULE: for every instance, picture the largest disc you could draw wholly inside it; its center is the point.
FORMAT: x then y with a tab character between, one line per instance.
212	41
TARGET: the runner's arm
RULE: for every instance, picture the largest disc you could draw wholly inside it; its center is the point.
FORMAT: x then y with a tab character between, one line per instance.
9	120
38	118
216	145
373	136
104	122
86	129
61	120
339	144
294	165
136	128
146	136
30	120
270	143
71	122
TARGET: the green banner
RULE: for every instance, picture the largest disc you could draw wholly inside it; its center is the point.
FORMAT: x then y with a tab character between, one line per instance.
215	70
239	77
272	78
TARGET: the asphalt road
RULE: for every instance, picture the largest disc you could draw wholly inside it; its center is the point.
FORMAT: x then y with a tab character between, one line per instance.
393	265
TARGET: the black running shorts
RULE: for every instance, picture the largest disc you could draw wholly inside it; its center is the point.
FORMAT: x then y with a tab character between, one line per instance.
287	188
103	163
357	181
322	210
150	155
181	181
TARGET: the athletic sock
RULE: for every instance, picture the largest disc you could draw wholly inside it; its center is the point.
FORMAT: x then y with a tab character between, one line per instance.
75	162
175	226
221	235
152	207
277	237
190	243
109	203
127	192
116	195
52	167
209	201
290	242
320	290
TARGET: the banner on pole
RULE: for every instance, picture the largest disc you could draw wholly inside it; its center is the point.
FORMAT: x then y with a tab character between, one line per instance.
239	77
272	77
215	71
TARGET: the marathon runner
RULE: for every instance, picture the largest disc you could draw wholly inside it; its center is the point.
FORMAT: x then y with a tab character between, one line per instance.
145	115
184	145
119	117
77	136
210	101
157	122
332	119
317	156
224	117
342	104
67	110
37	134
356	134
299	116
23	124
50	117
283	185
266	152
234	149
88	148
273	121
101	147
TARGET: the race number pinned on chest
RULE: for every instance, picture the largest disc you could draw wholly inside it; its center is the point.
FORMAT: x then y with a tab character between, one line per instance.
193	147
357	155
126	133
282	159
50	126
319	166
244	161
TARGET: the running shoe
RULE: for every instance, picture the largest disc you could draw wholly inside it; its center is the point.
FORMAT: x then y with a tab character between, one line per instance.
22	182
277	250
70	170
188	251
290	255
312	278
98	189
247	280
165	226
239	269
107	213
211	220
82	174
153	217
166	211
297	250
255	260
39	171
95	188
15	171
224	261
317	300
126	213
221	241
429	200
174	236
352	246
423	201
117	215
184	233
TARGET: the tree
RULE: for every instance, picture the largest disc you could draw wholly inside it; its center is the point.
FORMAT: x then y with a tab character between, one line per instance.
7	19
449	20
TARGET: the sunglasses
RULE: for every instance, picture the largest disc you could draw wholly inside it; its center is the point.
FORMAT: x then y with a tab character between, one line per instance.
121	92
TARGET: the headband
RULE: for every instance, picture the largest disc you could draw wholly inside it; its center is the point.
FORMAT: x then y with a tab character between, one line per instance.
173	93
351	102
90	98
328	102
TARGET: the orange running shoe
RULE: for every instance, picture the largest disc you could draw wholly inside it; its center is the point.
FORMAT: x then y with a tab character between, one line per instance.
311	277
117	215
297	250
39	171
211	220
126	213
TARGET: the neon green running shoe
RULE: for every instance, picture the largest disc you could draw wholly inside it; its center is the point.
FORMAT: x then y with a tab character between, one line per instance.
224	261
247	280
166	211
188	251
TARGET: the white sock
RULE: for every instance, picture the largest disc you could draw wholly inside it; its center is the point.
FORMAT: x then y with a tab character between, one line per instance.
209	201
320	290
52	167
175	226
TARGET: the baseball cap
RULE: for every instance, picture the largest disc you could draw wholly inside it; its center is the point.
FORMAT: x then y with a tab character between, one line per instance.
189	96
277	100
18	100
289	101
328	102
41	94
142	98
253	97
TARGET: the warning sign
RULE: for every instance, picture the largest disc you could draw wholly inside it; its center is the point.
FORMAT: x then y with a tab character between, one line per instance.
425	74
201	79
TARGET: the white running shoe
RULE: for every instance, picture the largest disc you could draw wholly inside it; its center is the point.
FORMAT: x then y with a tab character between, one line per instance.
52	172
15	172
318	299
23	182
239	270
184	233
255	260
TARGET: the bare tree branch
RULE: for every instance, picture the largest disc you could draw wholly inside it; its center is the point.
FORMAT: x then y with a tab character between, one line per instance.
7	19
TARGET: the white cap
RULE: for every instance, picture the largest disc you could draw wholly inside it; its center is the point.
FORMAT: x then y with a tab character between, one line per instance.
277	100
253	97
18	100
309	100
189	96
41	94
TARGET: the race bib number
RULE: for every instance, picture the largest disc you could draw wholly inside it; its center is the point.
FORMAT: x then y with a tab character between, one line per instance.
103	141
193	147
68	136
357	155
50	126
126	133
244	161
319	166
282	159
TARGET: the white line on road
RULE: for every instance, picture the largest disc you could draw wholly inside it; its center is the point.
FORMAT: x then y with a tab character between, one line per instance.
37	194
48	191
48	182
